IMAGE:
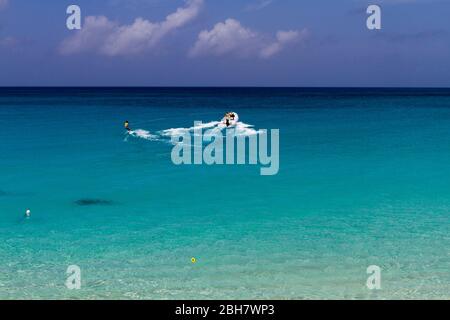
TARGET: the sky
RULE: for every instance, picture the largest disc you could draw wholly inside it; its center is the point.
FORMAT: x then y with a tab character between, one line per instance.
312	43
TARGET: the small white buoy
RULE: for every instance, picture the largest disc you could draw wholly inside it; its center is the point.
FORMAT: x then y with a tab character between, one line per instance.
28	213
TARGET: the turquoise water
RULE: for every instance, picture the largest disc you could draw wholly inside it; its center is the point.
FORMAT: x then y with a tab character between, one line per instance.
364	180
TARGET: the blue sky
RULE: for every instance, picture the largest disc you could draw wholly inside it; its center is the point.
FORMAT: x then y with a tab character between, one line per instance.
225	43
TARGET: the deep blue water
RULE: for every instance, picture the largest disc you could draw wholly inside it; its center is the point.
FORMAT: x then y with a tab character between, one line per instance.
363	180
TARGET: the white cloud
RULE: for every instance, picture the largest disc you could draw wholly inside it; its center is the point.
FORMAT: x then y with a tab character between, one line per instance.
9	42
92	36
259	5
106	37
230	37
3	4
12	45
284	38
225	37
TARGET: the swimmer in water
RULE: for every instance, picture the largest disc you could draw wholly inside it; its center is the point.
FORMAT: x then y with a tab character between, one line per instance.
127	126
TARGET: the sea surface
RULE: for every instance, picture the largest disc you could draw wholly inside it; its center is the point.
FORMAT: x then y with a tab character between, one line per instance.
364	179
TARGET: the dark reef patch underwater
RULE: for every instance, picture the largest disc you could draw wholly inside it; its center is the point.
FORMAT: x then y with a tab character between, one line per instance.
93	202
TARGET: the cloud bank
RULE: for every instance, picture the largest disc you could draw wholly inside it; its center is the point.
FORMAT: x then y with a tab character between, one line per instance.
100	35
230	37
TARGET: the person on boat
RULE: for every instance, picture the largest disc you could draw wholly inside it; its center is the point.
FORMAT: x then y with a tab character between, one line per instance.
227	119
229	116
127	126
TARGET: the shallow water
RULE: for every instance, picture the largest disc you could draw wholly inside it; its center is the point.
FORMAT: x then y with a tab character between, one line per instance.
363	181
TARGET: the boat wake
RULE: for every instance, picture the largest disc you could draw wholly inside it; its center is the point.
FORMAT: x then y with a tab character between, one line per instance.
212	128
207	129
143	134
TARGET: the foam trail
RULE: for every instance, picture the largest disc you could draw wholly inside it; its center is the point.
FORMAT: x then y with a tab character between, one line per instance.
143	134
179	131
240	129
244	129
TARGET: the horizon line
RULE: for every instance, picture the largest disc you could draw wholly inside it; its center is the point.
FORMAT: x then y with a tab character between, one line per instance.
218	87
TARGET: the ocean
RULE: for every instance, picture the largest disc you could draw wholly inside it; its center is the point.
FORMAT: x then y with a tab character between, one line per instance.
363	180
